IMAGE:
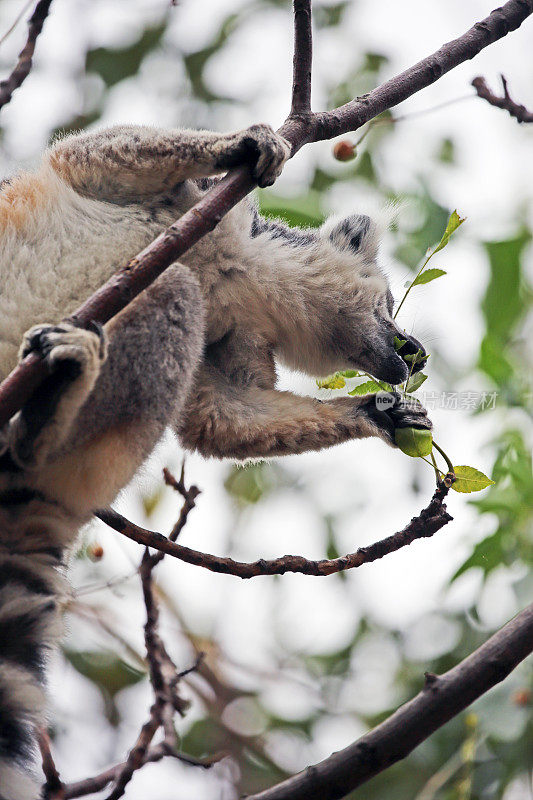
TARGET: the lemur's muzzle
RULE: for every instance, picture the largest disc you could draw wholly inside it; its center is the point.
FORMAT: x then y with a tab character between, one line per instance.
414	352
395	365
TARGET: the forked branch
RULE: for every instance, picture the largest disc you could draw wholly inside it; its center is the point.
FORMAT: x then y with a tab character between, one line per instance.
516	110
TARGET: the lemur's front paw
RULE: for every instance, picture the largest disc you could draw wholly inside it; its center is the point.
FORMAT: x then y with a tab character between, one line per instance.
389	410
261	147
66	346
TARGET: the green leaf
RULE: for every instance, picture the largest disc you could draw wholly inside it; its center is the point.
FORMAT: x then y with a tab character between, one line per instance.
335	381
414	357
414	442
453	223
109	672
470	480
504	302
368	387
415	382
399	343
429	275
350	373
504	306
487	555
493	360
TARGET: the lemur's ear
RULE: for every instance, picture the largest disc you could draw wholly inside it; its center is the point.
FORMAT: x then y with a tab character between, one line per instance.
356	233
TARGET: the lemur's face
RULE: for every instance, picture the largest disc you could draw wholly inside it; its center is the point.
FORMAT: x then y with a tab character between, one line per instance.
363	329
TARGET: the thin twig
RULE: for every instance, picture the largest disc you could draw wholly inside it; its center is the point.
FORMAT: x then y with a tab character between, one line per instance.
15	21
302	59
429	521
137	754
99	782
164	676
442	698
516	110
24	64
298	129
189	496
54	788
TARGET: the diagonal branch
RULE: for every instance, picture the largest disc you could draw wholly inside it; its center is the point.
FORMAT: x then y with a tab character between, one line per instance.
516	110
302	59
442	698
24	63
298	129
430	520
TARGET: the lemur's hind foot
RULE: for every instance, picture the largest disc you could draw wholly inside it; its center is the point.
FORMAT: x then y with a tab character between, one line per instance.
74	357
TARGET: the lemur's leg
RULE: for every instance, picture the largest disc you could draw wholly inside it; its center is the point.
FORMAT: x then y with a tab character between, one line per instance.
154	347
74	357
129	162
114	410
234	412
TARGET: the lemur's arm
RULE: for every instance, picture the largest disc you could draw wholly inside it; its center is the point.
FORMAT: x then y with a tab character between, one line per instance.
129	163
235	411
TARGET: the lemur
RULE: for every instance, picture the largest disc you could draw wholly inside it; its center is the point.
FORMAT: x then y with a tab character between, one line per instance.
196	351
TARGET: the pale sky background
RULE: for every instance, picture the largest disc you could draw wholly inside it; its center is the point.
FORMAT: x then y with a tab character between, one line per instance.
256	621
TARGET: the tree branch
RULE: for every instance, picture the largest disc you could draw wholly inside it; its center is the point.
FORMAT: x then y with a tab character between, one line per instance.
352	115
442	698
302	60
516	110
24	63
298	129
429	521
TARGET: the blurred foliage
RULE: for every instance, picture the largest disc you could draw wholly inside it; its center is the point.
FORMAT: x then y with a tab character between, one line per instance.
115	65
109	673
195	62
465	760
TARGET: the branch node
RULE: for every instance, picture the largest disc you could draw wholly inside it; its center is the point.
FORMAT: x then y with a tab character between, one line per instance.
430	680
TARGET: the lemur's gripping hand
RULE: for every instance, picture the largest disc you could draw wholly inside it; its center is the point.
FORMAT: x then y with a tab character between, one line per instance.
389	410
259	146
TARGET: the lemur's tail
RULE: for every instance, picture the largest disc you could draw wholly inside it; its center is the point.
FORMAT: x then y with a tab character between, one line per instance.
28	624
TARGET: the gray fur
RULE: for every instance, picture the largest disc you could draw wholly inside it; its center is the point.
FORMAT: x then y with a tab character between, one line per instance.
196	351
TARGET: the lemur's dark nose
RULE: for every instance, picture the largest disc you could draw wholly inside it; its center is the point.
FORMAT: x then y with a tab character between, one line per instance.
412	348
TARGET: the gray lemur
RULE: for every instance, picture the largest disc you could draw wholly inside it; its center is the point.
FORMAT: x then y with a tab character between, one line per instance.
196	351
